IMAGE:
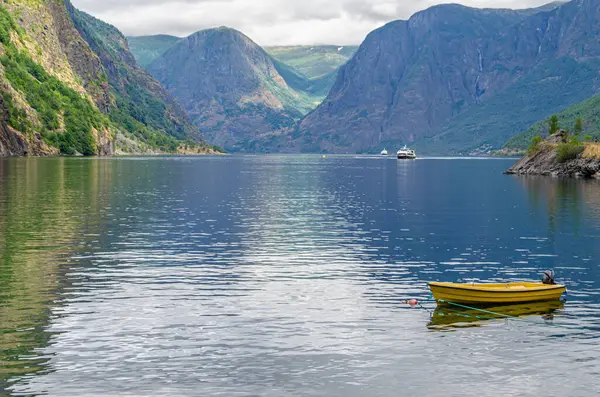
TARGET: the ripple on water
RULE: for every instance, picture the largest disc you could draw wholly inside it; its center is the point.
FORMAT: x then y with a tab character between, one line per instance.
286	275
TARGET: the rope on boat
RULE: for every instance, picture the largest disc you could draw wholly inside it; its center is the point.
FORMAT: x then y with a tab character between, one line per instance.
510	317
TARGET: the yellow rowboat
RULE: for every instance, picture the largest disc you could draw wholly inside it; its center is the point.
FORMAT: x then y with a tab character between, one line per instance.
495	293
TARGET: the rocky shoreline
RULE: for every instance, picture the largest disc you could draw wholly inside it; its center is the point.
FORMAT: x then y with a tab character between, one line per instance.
544	159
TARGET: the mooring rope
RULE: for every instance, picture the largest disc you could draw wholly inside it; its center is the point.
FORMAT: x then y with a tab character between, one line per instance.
512	317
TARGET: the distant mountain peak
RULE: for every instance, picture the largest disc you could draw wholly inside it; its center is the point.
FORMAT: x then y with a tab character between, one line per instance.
229	85
224	31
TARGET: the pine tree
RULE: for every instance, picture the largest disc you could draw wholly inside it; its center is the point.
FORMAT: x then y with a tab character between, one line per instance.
554	127
578	126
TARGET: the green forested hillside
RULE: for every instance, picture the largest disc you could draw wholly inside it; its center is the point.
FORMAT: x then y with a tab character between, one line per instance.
588	110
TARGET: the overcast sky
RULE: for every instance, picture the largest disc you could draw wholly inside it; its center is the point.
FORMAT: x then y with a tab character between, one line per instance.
269	22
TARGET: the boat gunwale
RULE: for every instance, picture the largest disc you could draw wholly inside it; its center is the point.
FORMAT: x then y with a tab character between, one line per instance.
482	288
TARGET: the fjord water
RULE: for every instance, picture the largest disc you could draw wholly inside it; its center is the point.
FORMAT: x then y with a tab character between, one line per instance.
286	276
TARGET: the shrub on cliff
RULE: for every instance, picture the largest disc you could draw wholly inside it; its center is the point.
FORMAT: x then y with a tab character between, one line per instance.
568	151
534	147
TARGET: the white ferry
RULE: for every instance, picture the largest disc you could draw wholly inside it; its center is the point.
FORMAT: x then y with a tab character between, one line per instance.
406	154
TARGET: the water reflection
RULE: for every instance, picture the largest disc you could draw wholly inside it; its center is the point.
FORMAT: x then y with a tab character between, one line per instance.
446	317
284	275
44	205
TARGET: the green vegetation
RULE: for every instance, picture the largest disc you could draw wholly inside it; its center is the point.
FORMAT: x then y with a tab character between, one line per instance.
534	147
67	119
588	112
578	126
51	99
313	62
142	109
568	151
309	70
554	127
146	49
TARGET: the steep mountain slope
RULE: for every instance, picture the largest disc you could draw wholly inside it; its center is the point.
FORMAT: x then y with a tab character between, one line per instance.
588	110
60	94
52	86
230	86
146	49
453	79
142	106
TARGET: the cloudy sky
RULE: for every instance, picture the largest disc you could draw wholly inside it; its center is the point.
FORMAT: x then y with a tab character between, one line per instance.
269	22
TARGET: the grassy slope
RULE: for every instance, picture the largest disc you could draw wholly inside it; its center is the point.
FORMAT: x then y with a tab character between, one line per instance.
146	49
314	62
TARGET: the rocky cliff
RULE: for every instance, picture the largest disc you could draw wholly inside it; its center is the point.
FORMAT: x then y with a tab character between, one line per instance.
454	79
231	87
48	76
559	158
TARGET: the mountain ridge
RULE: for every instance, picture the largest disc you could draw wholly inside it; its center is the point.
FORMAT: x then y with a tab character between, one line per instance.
407	85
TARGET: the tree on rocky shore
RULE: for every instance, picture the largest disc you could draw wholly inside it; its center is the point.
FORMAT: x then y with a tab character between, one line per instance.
578	126
554	127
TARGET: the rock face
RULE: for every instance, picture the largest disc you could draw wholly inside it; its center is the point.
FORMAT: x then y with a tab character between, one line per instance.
62	51
453	79
230	86
544	161
11	142
43	53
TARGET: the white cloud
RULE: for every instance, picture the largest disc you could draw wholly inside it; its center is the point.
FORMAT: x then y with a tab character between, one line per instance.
269	22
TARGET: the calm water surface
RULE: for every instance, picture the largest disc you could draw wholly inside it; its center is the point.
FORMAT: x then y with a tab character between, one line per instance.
286	275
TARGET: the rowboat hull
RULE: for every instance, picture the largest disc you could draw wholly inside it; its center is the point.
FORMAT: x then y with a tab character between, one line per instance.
495	293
